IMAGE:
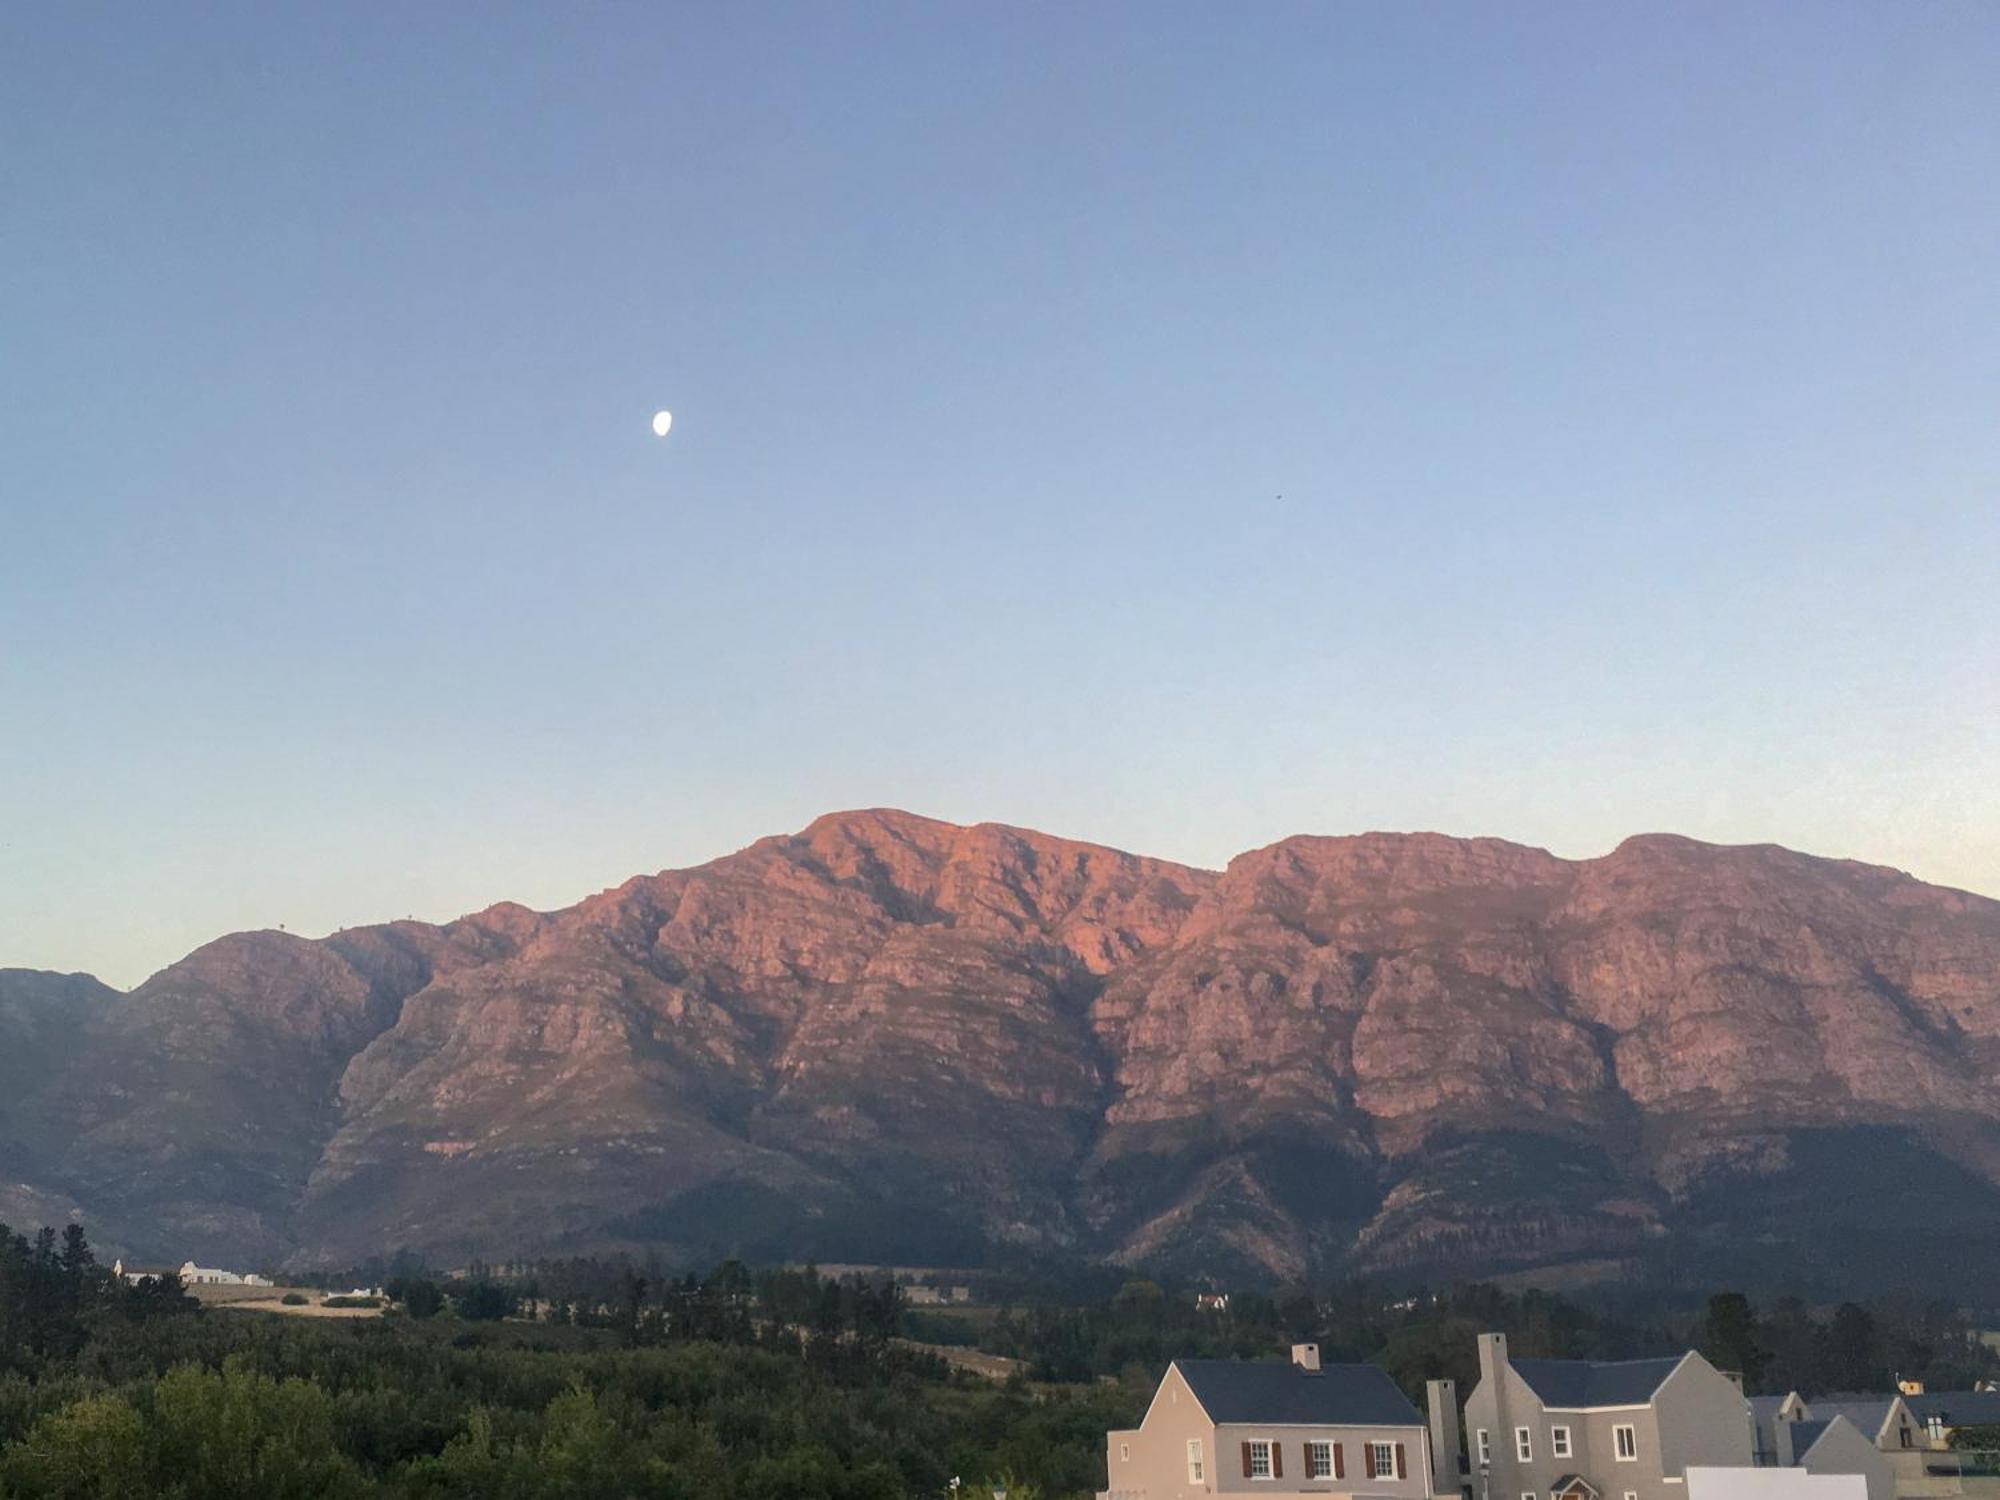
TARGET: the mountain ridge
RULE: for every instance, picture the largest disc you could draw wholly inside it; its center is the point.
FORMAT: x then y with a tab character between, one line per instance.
1402	1054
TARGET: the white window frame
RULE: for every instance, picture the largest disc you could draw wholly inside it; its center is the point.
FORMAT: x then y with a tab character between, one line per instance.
1260	1448
1385	1460
1529	1495
1625	1443
1524	1444
1631	1495
1485	1446
1559	1442
1124	1453
1197	1471
1319	1459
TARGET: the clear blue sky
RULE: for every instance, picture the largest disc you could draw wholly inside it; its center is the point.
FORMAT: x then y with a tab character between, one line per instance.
1630	377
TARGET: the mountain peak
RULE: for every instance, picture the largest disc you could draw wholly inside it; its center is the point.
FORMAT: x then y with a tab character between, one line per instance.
894	1037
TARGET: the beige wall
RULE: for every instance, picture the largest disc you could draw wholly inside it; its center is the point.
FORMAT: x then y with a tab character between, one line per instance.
1149	1462
1414	1485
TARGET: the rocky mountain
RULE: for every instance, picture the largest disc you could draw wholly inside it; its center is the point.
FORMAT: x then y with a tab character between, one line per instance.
890	1038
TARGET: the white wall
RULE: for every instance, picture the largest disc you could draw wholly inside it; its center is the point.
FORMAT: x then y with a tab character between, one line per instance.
1772	1484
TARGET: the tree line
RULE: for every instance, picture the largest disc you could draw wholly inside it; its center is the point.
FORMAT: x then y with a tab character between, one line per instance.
735	1385
1423	1336
614	1379
54	1296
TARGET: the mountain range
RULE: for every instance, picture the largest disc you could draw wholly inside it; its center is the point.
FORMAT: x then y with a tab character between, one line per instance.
892	1039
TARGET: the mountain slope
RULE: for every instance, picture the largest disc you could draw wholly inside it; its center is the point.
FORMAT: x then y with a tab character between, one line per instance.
889	1037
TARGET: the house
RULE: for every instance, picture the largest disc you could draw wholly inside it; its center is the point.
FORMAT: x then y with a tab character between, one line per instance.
1572	1429
919	1295
132	1273
1886	1421
1940	1413
1272	1427
1908	1432
1888	1424
194	1275
1211	1301
1836	1446
1766	1413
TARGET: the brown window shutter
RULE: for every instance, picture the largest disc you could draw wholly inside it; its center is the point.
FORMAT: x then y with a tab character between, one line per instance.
1339	1462
1246	1459
1368	1459
1400	1474
1277	1460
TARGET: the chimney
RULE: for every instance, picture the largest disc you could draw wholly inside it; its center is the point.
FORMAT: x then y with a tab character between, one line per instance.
1447	1455
1493	1380
1306	1357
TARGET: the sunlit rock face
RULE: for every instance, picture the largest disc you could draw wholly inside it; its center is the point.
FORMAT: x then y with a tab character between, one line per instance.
889	1038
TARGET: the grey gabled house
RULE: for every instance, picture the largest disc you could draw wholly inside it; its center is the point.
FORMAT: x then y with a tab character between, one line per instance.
1573	1429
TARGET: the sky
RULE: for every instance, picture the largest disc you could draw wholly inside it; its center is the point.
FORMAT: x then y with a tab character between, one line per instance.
1174	426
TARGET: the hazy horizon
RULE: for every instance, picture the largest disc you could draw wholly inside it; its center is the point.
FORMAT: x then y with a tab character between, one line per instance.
1154	425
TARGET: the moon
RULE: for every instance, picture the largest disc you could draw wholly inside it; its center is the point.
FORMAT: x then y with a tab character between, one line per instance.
663	422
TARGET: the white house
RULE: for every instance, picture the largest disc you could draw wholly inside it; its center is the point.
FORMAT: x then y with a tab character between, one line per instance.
194	1275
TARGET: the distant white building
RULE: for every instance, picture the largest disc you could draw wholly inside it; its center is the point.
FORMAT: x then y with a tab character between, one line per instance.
132	1273
194	1275
918	1295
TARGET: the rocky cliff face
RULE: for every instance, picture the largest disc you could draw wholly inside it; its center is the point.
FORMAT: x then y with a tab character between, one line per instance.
893	1038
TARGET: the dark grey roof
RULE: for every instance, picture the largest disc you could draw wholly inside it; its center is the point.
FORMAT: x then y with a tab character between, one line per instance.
1866	1412
1804	1435
1956	1408
1583	1382
1278	1392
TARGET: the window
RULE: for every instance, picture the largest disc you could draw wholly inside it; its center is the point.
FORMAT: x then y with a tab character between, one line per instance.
1631	1495
1319	1460
1196	1473
1559	1442
1384	1464
1625	1438
1905	1431
1260	1460
1124	1453
1524	1447
1485	1446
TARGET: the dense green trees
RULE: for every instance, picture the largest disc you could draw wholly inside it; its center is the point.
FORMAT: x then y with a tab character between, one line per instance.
53	1294
269	1407
1728	1337
733	1386
1427	1336
619	1380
